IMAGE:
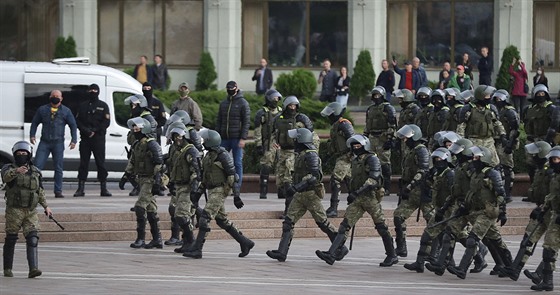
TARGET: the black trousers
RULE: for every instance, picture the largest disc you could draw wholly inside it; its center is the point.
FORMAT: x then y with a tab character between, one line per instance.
95	145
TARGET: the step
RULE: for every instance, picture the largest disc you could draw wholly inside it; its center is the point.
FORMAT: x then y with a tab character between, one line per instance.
256	225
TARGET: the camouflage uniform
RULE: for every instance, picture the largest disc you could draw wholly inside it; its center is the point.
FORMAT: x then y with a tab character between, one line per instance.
145	161
218	177
540	122
407	116
452	117
436	119
264	120
422	118
510	120
416	165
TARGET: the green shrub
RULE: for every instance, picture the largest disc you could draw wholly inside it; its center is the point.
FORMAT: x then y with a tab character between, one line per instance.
504	81
71	47
363	79
433	84
300	83
206	73
129	71
65	47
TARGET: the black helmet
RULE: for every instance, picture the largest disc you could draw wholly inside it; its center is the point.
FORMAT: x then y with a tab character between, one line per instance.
270	96
481	91
211	138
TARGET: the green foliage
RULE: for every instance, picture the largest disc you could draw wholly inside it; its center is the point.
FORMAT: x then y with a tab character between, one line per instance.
433	84
504	81
65	47
206	73
300	83
363	79
129	71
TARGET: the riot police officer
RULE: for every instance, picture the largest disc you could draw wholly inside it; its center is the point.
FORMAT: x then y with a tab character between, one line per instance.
308	191
93	119
219	178
156	109
412	184
341	130
455	102
264	120
510	120
409	107
288	119
145	163
426	108
436	119
366	192
541	120
24	191
381	121
479	121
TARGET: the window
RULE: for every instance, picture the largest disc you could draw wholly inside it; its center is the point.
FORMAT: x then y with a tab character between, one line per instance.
37	95
29	29
546	33
122	110
439	31
173	29
295	33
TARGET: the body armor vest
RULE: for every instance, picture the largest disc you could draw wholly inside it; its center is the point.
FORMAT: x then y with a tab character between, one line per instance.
481	191
440	188
283	124
461	182
377	118
213	174
422	117
434	123
537	119
410	164
300	167
338	141
182	171
267	121
552	200
504	119
453	117
407	116
23	191
143	158
360	171
480	123
539	187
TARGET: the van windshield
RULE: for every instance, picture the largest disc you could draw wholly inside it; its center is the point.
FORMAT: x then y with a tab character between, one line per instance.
122	111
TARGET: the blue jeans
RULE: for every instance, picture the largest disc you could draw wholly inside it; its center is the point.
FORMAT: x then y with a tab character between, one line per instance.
56	148
232	145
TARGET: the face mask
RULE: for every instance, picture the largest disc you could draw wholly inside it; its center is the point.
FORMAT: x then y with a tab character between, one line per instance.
333	119
538	99
231	92
290	112
478	165
135	112
138	135
21	160
440	165
404	104
500	104
93	95
273	104
483	102
147	93
55	100
410	143
359	151
300	147
184	93
555	167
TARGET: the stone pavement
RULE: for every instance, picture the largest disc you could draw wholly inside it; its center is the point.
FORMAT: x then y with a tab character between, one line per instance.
114	268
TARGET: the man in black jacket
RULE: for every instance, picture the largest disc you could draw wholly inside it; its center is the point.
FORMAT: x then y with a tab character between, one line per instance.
263	76
156	108
485	67
93	119
233	122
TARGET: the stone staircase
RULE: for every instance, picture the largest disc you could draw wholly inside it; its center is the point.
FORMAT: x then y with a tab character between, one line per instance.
101	226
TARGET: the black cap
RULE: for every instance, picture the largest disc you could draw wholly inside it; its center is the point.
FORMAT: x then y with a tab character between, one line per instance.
147	84
231	84
93	86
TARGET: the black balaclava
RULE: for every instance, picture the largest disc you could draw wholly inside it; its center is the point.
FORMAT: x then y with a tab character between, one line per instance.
360	151
555	166
147	93
440	165
478	165
21	160
138	135
539	161
411	143
93	95
135	112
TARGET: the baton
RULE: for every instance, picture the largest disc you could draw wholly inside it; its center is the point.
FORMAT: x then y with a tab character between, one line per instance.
55	221
352	236
444	221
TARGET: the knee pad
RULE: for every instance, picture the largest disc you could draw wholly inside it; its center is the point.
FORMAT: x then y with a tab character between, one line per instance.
324	226
398	221
223	223
32	239
287	225
204	222
472	241
153	217
171	210
344	226
182	221
140	212
549	255
11	238
425	239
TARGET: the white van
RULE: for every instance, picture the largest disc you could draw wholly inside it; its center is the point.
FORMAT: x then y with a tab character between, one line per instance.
24	86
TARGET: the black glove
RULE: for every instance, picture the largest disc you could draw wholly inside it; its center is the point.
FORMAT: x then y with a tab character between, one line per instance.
405	193
502	218
536	213
195	197
237	202
260	150
439	215
461	211
291	190
388	145
123	181
352	197
157	179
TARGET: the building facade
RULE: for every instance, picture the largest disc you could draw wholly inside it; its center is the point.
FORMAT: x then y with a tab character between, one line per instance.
290	34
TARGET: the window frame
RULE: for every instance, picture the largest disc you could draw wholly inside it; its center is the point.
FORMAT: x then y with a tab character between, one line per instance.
556	66
413	6
162	37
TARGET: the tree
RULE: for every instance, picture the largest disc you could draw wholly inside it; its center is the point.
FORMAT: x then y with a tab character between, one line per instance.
65	47
363	79
504	81
206	73
300	83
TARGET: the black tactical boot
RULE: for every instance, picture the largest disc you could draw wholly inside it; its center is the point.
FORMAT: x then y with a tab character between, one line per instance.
418	266
332	211
329	256
461	270
332	234
32	241
281	192
287	235
549	259
140	228
447	248
535	276
80	191
245	243
135	191
204	228
479	262
400	230
517	265
156	241
264	182
386	171
104	191
9	247
385	235
188	237
175	228
508	182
